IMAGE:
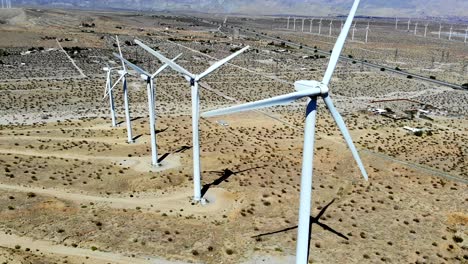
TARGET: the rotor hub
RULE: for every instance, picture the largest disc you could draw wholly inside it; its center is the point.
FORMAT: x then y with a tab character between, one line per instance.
308	85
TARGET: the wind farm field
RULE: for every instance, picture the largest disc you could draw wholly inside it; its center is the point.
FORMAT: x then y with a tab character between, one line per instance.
72	190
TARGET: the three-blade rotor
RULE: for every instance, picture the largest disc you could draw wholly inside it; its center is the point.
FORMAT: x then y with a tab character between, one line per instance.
311	89
188	75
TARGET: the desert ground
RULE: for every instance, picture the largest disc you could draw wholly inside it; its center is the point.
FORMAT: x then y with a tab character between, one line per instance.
72	190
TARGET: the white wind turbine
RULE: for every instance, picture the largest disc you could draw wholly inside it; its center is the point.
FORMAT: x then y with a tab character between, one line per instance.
193	80
367	30
288	21
451	32
425	29
123	78
331	25
108	92
320	26
396	23
311	25
294	19
150	85
303	21
416	28
409	23
310	90
440	29
354	30
466	35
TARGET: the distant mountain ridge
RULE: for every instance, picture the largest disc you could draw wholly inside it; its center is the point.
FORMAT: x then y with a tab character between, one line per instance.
402	8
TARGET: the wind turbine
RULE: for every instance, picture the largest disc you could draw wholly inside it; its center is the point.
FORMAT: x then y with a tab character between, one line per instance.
310	90
311	25
466	35
425	29
303	21
409	23
320	25
440	29
294	24
354	30
150	85
108	92
416	28
123	78
288	21
451	31
367	30
396	23
193	80
331	25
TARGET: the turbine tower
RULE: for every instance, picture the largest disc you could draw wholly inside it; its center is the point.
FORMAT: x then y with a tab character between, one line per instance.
320	26
396	23
310	90
331	25
425	29
416	28
294	24
440	29
150	80
409	23
451	31
288	21
193	80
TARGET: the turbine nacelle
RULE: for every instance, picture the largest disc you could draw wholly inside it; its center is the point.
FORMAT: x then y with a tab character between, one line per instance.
307	85
106	69
145	77
122	72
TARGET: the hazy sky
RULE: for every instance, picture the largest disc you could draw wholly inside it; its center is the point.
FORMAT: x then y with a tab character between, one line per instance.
301	7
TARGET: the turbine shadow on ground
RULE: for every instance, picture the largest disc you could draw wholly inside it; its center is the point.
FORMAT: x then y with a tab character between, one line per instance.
183	149
163	157
225	175
137	137
313	220
134	119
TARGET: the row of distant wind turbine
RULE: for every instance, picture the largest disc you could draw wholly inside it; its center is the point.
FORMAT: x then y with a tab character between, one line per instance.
150	79
310	90
319	32
6	4
426	25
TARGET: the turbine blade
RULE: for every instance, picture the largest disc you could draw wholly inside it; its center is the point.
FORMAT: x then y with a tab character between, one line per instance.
106	88
165	60
165	66
342	126
220	63
335	56
278	100
120	52
133	66
113	86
